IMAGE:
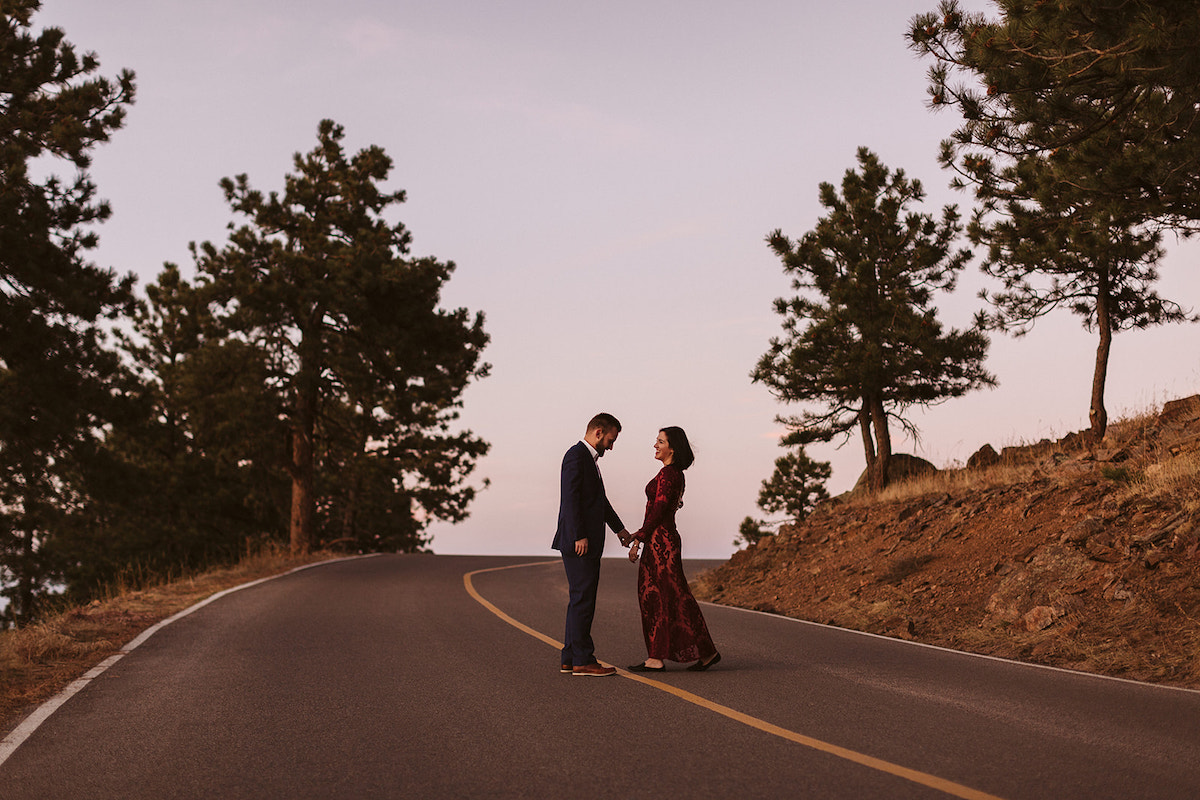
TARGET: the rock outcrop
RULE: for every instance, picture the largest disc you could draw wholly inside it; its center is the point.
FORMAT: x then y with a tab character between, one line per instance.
901	467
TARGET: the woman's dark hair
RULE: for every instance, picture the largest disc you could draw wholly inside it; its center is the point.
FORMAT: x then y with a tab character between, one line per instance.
677	439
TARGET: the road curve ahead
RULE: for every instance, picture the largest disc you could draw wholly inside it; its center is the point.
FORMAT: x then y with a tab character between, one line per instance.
437	676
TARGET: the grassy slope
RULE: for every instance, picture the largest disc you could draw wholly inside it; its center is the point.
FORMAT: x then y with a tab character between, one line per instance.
1062	554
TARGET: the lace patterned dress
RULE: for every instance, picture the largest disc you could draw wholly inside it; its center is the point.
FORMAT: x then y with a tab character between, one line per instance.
672	623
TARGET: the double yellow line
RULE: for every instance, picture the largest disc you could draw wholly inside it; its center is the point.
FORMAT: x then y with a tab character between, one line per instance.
916	776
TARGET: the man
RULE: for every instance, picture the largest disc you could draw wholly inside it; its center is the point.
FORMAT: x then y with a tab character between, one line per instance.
583	511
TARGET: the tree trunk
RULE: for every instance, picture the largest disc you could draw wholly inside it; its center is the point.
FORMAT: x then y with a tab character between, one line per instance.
864	425
301	527
883	443
304	423
1097	415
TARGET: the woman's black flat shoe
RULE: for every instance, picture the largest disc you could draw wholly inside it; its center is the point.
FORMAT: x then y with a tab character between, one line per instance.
644	668
700	666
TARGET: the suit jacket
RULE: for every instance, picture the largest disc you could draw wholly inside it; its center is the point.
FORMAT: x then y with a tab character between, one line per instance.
583	509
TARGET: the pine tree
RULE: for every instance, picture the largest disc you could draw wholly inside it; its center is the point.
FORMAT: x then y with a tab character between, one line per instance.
59	385
1078	152
862	338
796	486
1052	248
192	476
366	369
750	531
1107	90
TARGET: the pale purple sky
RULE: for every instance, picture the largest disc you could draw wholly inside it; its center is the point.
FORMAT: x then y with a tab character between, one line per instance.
604	176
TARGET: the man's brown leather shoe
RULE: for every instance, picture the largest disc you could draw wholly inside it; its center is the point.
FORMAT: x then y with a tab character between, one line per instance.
594	671
565	668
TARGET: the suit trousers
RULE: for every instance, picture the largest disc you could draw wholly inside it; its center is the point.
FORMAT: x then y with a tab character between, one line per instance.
583	578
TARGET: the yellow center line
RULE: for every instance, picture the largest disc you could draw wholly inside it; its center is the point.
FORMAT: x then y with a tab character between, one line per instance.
916	776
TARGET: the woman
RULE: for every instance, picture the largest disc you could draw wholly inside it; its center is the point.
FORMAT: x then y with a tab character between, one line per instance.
671	620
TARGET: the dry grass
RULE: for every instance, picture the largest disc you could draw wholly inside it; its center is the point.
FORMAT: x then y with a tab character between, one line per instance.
1133	424
1177	476
948	481
39	660
1158	474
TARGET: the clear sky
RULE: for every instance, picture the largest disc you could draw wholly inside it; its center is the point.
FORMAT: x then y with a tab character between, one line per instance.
603	175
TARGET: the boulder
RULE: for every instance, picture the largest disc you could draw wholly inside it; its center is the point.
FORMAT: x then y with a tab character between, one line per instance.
1181	411
902	467
985	456
1078	440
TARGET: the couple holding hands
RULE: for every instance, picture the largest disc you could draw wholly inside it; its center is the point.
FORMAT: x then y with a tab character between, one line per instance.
672	624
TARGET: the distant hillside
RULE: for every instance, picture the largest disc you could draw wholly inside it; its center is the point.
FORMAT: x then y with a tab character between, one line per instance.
1057	553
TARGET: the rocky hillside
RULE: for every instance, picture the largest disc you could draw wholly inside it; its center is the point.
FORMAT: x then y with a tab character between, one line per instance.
1059	553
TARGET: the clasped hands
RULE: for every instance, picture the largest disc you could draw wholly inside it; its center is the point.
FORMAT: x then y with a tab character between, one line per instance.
627	540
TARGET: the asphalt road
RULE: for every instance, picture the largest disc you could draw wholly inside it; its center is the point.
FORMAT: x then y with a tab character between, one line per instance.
388	677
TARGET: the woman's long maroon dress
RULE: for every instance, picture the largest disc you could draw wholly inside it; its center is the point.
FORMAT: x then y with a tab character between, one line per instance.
671	620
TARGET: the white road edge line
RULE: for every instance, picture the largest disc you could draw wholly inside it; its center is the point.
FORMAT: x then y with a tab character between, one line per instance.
23	731
1010	661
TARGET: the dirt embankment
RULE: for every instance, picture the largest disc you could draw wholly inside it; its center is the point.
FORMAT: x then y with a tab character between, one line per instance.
1060	553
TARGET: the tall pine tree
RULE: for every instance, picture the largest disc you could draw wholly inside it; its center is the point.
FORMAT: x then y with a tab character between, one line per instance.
366	369
1052	247
1076	141
862	339
58	383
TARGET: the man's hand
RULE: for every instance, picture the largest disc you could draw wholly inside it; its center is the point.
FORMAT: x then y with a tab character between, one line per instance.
581	547
625	536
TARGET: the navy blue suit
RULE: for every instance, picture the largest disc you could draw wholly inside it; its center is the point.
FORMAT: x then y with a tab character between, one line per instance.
583	512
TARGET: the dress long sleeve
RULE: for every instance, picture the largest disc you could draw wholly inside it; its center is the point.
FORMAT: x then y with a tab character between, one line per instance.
662	501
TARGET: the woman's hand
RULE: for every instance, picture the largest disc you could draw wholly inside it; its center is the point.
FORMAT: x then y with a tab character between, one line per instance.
633	551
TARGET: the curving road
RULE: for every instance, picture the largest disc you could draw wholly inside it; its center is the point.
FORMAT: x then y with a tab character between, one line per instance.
423	676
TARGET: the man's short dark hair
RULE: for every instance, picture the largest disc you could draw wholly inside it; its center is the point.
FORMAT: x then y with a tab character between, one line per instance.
605	422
